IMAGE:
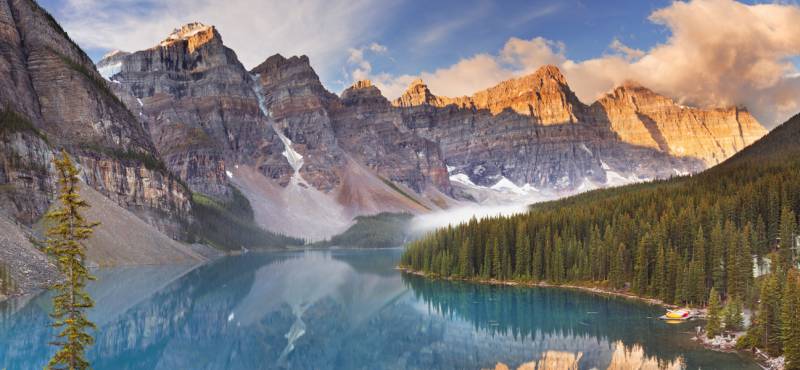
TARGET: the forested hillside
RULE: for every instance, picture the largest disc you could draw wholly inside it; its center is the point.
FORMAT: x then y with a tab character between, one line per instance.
674	240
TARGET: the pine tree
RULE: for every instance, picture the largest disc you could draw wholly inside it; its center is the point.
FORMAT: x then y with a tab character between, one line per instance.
714	323
745	262
497	259
700	255
732	316
660	275
718	257
523	268
71	301
787	235
790	321
769	315
486	272
640	280
465	259
616	273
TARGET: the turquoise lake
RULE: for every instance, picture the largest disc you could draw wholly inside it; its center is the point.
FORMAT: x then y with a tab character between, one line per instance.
349	309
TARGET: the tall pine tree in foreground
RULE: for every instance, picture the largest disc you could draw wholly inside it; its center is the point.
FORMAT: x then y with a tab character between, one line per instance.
69	228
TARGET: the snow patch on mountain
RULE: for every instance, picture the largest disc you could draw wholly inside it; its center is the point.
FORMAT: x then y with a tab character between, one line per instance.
295	159
109	70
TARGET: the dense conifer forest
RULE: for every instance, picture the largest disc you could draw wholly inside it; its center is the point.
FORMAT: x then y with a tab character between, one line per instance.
676	240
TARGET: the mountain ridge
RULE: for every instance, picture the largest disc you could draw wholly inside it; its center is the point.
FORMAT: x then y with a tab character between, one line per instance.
526	139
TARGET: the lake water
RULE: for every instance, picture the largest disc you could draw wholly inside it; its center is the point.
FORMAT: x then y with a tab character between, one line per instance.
349	309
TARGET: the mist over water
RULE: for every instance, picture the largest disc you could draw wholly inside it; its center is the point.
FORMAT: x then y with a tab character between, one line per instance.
455	216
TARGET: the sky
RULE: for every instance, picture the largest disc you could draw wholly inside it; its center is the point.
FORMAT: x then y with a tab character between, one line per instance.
706	53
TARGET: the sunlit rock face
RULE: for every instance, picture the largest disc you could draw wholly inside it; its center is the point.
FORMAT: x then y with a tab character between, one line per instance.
59	100
530	135
535	133
641	117
544	96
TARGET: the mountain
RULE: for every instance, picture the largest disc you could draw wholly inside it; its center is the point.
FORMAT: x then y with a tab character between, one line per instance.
300	154
536	134
641	117
53	99
309	161
660	240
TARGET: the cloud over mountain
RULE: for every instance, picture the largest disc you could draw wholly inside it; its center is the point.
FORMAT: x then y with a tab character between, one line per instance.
719	53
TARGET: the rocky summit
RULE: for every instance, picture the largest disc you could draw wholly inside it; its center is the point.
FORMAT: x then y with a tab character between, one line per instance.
278	135
150	129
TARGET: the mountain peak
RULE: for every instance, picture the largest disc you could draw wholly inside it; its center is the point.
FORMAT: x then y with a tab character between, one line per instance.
362	84
551	71
114	53
362	91
194	33
416	94
417	82
293	64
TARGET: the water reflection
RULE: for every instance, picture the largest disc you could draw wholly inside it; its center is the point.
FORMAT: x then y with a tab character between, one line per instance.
346	310
623	358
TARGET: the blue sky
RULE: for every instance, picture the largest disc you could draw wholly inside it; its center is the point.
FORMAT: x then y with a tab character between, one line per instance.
460	46
425	35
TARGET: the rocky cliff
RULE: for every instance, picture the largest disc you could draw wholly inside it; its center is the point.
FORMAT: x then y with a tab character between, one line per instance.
643	118
533	134
308	159
194	97
54	98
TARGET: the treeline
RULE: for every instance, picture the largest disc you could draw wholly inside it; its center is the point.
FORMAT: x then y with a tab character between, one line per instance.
383	230
230	226
673	240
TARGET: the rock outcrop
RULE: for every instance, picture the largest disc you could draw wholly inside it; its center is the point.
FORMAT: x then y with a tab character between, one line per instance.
53	98
194	96
643	118
544	96
370	129
296	103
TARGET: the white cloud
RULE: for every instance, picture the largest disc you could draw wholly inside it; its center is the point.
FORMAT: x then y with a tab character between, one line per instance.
362	68
255	29
719	53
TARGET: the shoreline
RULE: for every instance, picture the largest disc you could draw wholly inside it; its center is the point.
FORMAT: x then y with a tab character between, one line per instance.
707	344
543	284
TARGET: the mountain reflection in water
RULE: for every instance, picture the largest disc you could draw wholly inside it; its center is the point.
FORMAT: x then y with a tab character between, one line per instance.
348	309
623	358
